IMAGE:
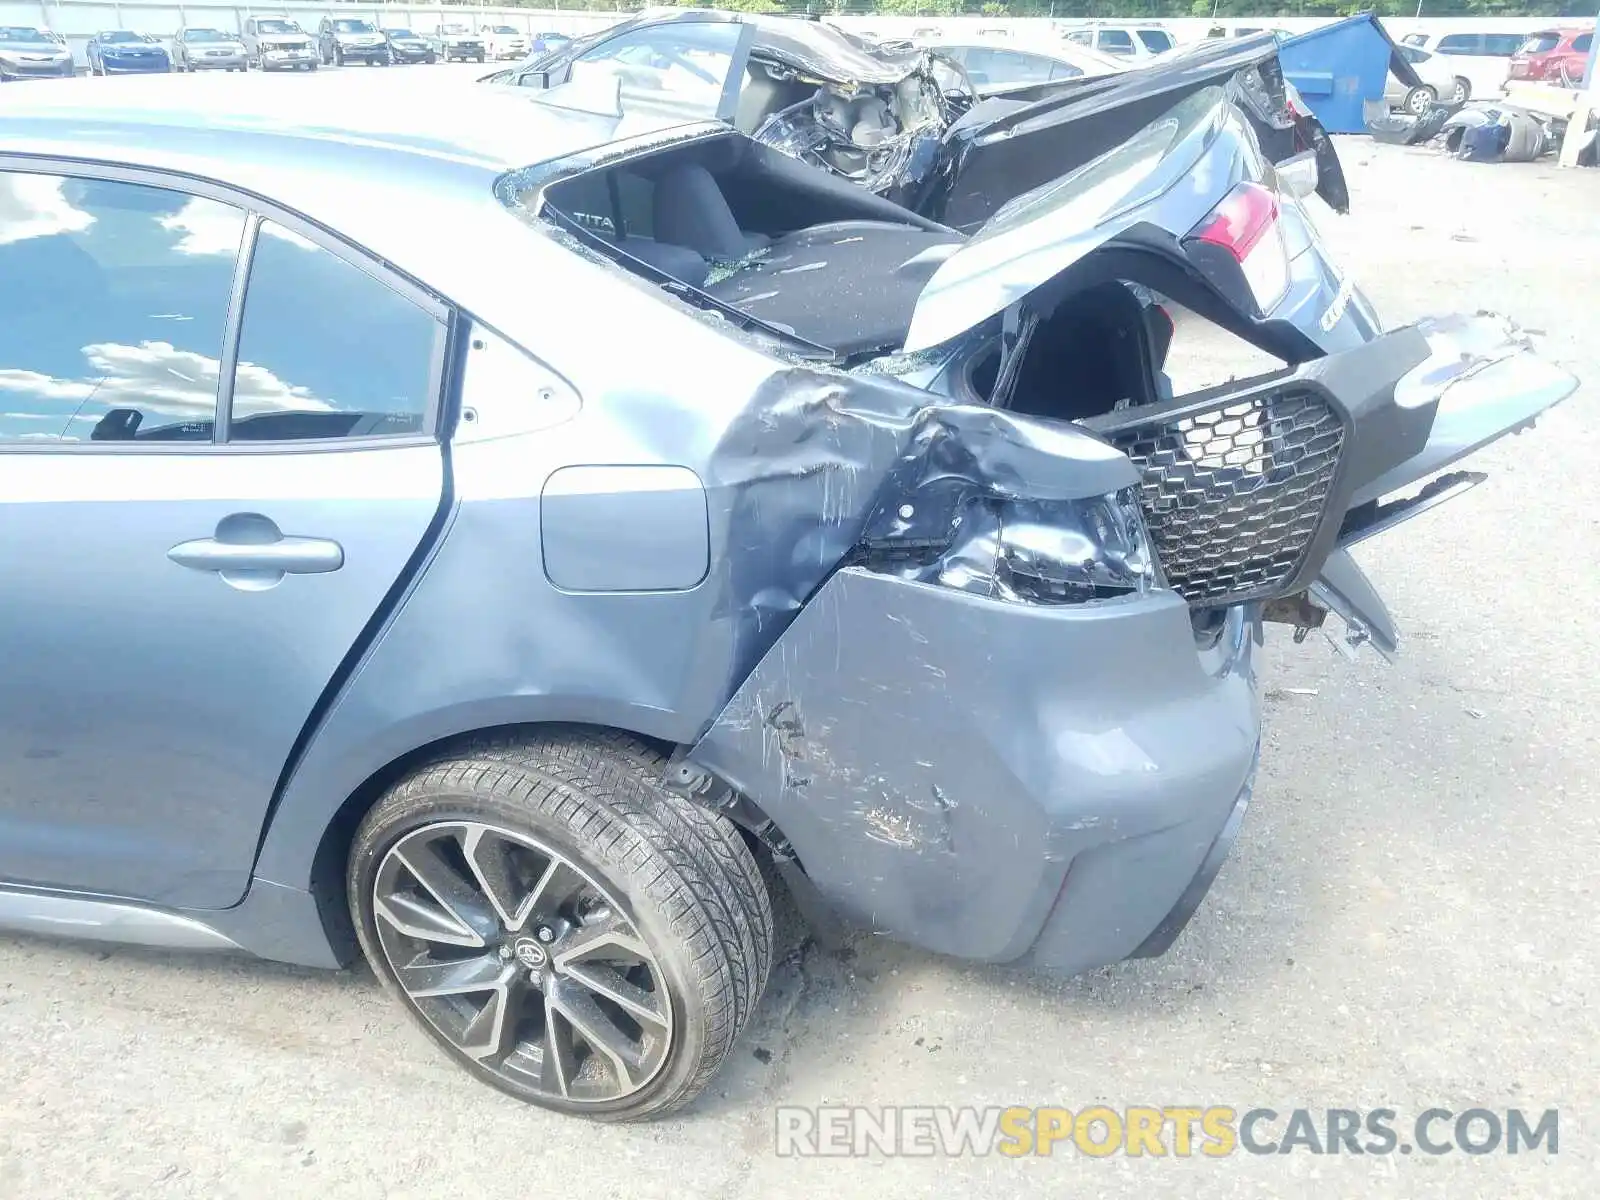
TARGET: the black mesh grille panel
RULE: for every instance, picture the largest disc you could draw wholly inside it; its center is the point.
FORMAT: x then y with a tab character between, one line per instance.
1234	494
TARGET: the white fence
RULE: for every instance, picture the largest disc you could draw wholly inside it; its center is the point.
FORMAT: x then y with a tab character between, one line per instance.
80	19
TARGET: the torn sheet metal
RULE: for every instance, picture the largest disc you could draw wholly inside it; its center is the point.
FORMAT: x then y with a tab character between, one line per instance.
888	143
817	458
826	52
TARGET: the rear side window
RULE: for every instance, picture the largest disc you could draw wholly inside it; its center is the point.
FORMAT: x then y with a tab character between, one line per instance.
1082	38
1157	41
1582	42
113	309
1010	68
1461	43
1541	43
326	350
1116	41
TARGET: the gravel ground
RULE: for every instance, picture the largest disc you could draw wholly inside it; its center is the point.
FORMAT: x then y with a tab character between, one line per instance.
1401	924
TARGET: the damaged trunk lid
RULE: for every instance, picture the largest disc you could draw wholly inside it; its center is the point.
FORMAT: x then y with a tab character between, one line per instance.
1005	146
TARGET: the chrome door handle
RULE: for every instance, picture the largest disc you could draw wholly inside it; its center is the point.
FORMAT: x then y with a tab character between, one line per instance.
250	553
289	556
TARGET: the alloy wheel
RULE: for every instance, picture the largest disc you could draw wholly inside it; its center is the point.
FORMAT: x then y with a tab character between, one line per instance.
522	962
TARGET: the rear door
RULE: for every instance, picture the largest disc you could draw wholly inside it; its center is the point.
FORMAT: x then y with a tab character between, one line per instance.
198	518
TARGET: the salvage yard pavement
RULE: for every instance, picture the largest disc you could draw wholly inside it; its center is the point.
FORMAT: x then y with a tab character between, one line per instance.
1406	921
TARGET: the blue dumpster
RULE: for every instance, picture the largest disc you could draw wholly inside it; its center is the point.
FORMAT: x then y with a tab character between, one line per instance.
1342	68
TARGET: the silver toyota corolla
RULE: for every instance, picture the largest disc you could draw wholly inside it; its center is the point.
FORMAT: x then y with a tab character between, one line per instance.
500	603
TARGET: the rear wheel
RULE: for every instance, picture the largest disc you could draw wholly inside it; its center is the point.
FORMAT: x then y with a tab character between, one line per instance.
563	927
1462	92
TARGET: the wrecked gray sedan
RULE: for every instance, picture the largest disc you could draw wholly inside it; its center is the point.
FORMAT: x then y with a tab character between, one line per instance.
735	515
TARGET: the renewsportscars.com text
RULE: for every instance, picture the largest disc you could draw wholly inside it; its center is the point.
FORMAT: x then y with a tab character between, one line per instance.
1179	1131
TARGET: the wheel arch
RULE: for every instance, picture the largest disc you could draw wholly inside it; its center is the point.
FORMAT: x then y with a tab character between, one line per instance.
307	840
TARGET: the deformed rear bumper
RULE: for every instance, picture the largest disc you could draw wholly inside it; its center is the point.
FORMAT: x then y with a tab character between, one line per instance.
997	781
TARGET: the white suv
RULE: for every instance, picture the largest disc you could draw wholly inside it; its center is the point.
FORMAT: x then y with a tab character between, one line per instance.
1135	40
1477	59
503	41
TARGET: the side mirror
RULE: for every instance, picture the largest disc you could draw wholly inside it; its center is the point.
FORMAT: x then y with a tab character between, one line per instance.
534	79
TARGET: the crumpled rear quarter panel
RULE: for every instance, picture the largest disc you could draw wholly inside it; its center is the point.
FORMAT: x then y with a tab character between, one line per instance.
940	760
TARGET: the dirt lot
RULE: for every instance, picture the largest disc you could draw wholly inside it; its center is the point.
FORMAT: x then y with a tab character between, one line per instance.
1406	922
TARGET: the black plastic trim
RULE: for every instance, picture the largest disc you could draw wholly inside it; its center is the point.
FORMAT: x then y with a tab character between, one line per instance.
1181	913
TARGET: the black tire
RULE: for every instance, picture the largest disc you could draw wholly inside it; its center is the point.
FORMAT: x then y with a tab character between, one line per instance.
311	66
338	57
686	877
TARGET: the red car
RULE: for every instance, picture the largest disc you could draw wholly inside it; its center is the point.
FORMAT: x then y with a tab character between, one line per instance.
1557	55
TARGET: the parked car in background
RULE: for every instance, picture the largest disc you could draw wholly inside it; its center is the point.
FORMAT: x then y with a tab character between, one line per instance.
878	563
1135	40
349	39
505	41
27	52
207	49
1439	82
279	44
995	68
1480	59
457	43
406	46
122	52
1553	55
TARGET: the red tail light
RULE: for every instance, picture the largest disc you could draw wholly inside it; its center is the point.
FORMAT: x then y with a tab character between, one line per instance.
1245	226
1245	216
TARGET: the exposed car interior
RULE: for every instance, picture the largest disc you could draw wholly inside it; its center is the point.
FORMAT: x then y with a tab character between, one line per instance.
748	229
755	230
